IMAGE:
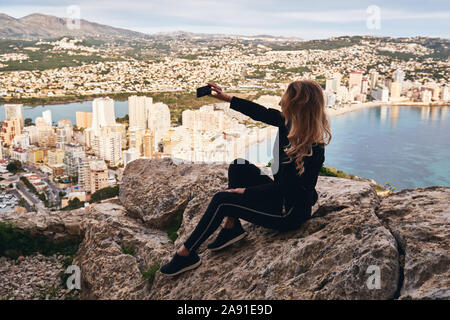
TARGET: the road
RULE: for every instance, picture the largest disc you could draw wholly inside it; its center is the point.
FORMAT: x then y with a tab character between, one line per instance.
53	193
19	196
54	190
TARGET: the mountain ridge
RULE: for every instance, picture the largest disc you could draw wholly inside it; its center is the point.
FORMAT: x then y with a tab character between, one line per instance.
41	26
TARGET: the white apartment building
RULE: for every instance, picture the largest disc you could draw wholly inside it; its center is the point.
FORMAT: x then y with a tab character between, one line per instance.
47	115
445	95
380	94
130	155
158	120
137	106
32	132
330	98
18	154
98	176
110	147
14	111
396	89
399	76
331	85
73	159
426	96
103	113
355	80
21	141
64	133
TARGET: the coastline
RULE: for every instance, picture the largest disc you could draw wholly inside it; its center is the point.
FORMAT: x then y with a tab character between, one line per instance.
331	112
267	132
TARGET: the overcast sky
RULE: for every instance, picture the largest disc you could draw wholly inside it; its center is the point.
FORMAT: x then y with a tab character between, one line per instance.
305	19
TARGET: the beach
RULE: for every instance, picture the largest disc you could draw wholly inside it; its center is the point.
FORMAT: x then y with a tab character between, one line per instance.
332	111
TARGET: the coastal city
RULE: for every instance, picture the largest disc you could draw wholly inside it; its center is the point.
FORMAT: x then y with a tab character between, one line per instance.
217	153
51	165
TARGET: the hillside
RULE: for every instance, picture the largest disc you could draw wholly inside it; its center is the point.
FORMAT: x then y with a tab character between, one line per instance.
41	26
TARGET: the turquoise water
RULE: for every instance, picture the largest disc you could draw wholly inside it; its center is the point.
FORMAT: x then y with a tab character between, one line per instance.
407	146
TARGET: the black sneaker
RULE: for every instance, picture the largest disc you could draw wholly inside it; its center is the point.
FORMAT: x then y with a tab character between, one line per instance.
180	264
226	237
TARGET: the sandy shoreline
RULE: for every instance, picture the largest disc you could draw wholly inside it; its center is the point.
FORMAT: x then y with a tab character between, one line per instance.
331	112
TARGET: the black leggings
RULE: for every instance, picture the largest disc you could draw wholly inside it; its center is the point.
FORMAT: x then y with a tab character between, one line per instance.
266	212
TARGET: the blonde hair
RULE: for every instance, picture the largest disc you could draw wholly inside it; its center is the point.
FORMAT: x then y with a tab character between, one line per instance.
303	106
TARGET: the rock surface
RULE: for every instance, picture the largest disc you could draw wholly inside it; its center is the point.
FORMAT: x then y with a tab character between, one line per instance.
154	190
419	219
35	277
332	256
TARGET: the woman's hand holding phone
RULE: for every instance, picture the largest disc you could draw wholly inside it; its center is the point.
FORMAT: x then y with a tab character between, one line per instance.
217	92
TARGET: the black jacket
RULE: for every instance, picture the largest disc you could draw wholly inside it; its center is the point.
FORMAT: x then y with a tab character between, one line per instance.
287	182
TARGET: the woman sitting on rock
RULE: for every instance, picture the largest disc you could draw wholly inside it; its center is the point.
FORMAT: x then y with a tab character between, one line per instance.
283	203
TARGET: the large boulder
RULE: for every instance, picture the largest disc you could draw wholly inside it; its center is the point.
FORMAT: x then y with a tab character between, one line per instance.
420	219
115	254
155	190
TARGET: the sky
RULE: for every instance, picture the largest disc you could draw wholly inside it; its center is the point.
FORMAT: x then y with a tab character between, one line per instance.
298	18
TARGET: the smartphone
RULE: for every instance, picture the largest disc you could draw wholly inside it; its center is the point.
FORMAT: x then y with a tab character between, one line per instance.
203	91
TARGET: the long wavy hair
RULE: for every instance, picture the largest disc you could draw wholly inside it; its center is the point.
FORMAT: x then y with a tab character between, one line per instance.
303	106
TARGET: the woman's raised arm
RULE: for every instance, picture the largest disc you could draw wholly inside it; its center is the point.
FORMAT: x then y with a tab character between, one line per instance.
253	110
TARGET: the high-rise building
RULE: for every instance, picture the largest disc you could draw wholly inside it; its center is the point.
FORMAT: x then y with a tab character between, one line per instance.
364	86
330	98
21	141
135	138
396	89
72	158
373	78
84	119
426	96
9	129
14	111
83	173
380	94
148	144
47	115
331	85
130	155
158	116
32	132
137	106
445	96
64	133
98	176
436	93
338	77
355	80
110	147
102	113
55	156
399	76
46	134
